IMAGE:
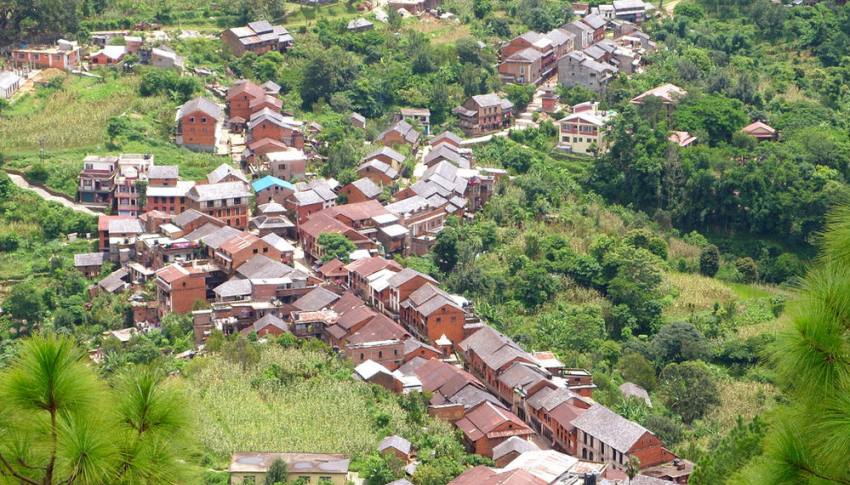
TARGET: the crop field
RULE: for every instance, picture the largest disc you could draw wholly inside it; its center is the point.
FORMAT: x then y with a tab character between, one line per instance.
318	408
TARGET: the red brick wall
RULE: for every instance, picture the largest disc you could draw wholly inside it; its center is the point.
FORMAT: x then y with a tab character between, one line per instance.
197	132
185	292
446	321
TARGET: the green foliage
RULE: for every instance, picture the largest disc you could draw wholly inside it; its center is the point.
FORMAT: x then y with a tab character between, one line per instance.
520	95
327	71
140	438
570	328
334	245
688	389
709	260
635	368
168	82
542	15
277	472
679	342
730	452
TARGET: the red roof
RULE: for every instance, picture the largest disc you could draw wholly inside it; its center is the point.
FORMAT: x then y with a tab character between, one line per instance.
379	329
486	419
245	87
332	268
322	222
262	142
481	475
368	266
348	301
103	221
359	211
239	242
171	273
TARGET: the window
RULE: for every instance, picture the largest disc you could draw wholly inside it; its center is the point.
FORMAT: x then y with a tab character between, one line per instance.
380	354
203	119
191	119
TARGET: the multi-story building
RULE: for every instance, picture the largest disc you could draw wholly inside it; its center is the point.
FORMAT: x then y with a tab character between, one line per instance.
96	183
65	55
199	124
180	286
579	69
484	113
130	182
228	201
584	130
258	37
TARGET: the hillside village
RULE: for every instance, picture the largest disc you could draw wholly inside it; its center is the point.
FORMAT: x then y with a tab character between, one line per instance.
261	227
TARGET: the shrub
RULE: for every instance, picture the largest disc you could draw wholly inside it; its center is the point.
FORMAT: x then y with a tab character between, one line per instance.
709	260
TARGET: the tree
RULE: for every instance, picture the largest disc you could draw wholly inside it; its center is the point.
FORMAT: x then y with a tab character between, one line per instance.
534	285
87	432
634	367
718	116
277	472
809	433
688	389
25	302
570	328
748	269
709	260
730	453
446	250
481	8
632	467
325	72
335	245
678	342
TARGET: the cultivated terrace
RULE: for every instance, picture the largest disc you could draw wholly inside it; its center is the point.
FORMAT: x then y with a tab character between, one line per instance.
430	242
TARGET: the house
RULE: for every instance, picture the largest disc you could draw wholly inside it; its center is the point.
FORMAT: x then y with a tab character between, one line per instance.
321	223
682	138
668	95
360	190
522	67
258	37
488	353
597	23
484	113
447	152
377	171
240	248
273	224
9	84
179	287
549	466
303	203
535	42
96	181
482	475
375	373
549	100
433	314
760	130
334	271
508	450
89	264
359	25
240	96
315	300
604	435
632	390
402	284
311	468
117	236
288	164
563	42
225	173
486	425
357	120
269	324
401	133
446	138
281	245
583	34
632	10
386	155
254	153
360	270
270	123
584	130
579	69
166	58
227	201
453	391
398	446
271	189
109	55
422	116
65	55
167	198
199	124
380	339
132	172
115	282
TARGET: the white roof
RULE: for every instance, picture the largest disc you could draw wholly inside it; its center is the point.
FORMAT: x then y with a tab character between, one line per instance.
288	155
369	369
546	465
394	230
179	190
359	254
112	51
8	79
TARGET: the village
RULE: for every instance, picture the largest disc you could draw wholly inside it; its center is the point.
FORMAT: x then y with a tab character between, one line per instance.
264	246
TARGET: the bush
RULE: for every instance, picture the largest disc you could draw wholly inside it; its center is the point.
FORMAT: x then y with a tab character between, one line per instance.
38	173
709	260
748	269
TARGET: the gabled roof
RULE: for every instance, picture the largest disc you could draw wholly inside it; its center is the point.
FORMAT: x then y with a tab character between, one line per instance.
395	442
404	129
367	187
610	428
269	181
323	222
380	166
115	281
667	93
278	242
595	21
380	328
270	320
214	191
406	275
386	151
481	475
233	287
757	128
238	242
367	266
316	299
528	54
263	267
494	348
514	444
630	389
89	259
447	136
163	172
223	171
484	420
203	105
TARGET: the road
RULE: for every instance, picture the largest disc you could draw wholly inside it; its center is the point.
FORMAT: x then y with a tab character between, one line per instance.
22	183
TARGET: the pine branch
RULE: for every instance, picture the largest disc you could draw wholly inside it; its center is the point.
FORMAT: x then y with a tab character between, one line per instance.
14	473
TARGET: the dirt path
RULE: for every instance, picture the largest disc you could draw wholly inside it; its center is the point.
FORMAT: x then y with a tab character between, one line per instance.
22	183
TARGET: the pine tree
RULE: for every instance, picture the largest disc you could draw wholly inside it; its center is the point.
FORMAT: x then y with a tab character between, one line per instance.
809	438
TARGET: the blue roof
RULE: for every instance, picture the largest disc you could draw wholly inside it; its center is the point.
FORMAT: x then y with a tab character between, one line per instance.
268	181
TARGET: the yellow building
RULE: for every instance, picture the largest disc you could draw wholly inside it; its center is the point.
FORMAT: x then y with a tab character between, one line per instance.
314	468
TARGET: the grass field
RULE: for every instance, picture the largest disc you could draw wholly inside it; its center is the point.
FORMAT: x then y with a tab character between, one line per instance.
319	409
70	123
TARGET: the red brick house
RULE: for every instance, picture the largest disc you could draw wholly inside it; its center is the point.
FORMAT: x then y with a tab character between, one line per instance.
199	124
360	270
179	287
360	190
381	340
227	201
377	171
266	123
484	113
241	248
488	353
269	325
321	223
239	98
487	425
403	284
65	55
401	133
431	313
109	55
